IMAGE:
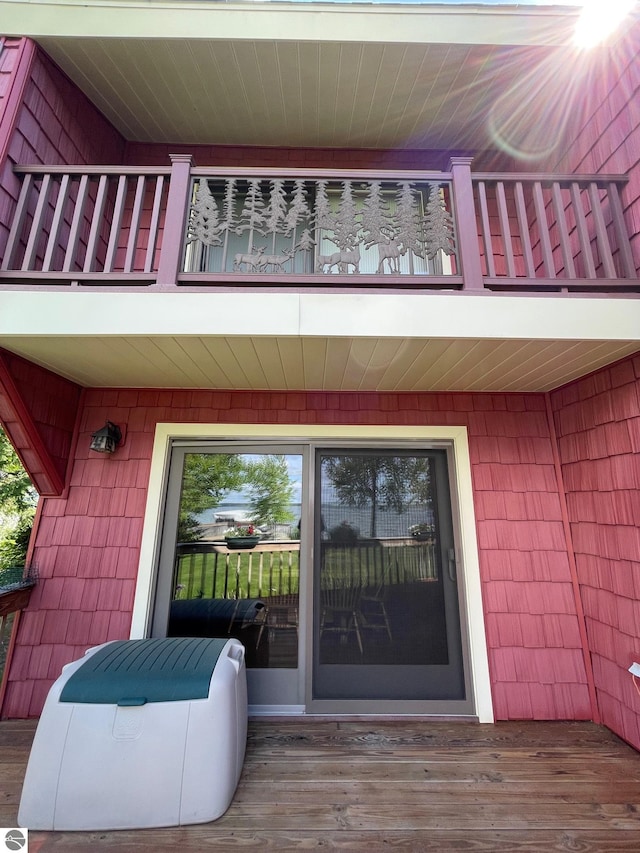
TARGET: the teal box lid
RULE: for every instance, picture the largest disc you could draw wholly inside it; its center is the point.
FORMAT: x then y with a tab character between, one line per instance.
134	672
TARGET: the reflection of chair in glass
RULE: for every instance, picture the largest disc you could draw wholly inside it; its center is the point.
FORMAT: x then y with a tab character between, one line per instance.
423	560
340	612
373	612
282	614
374	616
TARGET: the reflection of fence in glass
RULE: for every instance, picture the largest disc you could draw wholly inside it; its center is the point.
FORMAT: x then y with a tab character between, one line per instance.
378	563
300	226
208	571
273	569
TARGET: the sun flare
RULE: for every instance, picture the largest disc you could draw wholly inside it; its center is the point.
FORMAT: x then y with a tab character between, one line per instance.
599	19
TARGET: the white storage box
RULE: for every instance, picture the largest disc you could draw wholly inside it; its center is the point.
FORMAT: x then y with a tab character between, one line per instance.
139	733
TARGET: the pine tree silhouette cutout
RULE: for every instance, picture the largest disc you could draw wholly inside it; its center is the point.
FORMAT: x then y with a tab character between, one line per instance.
438	224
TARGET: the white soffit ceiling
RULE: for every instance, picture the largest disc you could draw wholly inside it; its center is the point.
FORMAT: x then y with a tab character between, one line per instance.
284	93
300	74
277	341
329	364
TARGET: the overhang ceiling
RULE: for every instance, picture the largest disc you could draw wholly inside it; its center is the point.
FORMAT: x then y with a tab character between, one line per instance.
326	364
305	74
315	341
280	93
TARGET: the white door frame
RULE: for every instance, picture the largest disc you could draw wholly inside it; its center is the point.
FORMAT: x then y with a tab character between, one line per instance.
462	501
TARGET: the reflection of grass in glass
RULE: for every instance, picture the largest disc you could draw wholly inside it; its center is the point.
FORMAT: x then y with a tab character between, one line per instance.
259	574
372	565
242	574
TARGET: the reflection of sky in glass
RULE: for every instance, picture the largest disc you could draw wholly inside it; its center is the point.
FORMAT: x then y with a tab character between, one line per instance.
294	464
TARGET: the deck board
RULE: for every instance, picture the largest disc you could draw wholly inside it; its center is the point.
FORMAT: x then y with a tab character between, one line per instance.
404	785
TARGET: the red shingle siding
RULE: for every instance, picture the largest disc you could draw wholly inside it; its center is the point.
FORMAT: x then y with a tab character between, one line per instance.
15	63
54	123
138	153
9	55
597	420
608	139
88	544
58	124
51	404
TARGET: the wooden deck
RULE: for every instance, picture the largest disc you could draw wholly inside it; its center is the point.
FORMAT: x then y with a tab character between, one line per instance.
408	786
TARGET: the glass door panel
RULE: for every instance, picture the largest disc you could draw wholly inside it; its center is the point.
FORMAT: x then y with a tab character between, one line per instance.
387	623
230	561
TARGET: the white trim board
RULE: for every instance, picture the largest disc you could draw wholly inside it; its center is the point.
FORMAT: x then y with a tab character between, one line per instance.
455	435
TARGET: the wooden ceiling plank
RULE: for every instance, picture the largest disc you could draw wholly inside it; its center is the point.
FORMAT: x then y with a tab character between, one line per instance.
337	361
290	350
314	360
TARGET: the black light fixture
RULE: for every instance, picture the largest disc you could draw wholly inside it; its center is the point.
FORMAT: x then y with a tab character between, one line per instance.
106	440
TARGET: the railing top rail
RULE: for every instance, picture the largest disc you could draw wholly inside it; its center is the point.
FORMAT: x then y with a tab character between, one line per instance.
322	174
238	172
319	174
61	169
546	177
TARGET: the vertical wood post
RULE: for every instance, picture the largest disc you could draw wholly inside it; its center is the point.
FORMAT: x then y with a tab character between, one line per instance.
173	232
466	226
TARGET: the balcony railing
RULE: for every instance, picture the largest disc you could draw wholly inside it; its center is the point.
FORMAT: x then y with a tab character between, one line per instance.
566	232
182	226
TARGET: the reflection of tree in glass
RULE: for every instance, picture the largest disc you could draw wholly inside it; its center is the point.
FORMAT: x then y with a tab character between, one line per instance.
206	479
209	477
270	490
374	481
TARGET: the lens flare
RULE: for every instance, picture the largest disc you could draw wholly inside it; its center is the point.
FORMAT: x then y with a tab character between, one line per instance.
598	20
529	118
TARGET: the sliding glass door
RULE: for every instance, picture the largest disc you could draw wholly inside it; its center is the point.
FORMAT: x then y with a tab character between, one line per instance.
387	625
334	566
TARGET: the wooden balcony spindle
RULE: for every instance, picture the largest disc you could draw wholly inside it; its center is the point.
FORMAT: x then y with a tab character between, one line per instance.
17	223
173	232
622	233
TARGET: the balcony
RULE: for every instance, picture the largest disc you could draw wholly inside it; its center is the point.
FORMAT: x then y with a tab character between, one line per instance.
182	226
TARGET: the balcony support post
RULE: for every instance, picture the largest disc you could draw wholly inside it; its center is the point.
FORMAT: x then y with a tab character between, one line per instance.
466	226
173	231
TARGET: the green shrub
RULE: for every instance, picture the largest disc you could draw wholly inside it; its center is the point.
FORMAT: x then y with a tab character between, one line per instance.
14	543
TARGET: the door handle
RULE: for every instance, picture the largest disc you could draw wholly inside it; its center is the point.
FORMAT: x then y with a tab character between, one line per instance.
451	564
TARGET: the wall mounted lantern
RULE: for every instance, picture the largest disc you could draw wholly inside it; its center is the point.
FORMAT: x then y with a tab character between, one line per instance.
106	440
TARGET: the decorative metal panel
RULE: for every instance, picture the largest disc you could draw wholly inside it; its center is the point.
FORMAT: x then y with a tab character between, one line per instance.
280	226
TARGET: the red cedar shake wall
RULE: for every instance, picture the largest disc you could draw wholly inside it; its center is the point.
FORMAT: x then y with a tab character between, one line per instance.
10	50
143	154
598	418
607	139
598	426
53	123
51	403
87	545
43	119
